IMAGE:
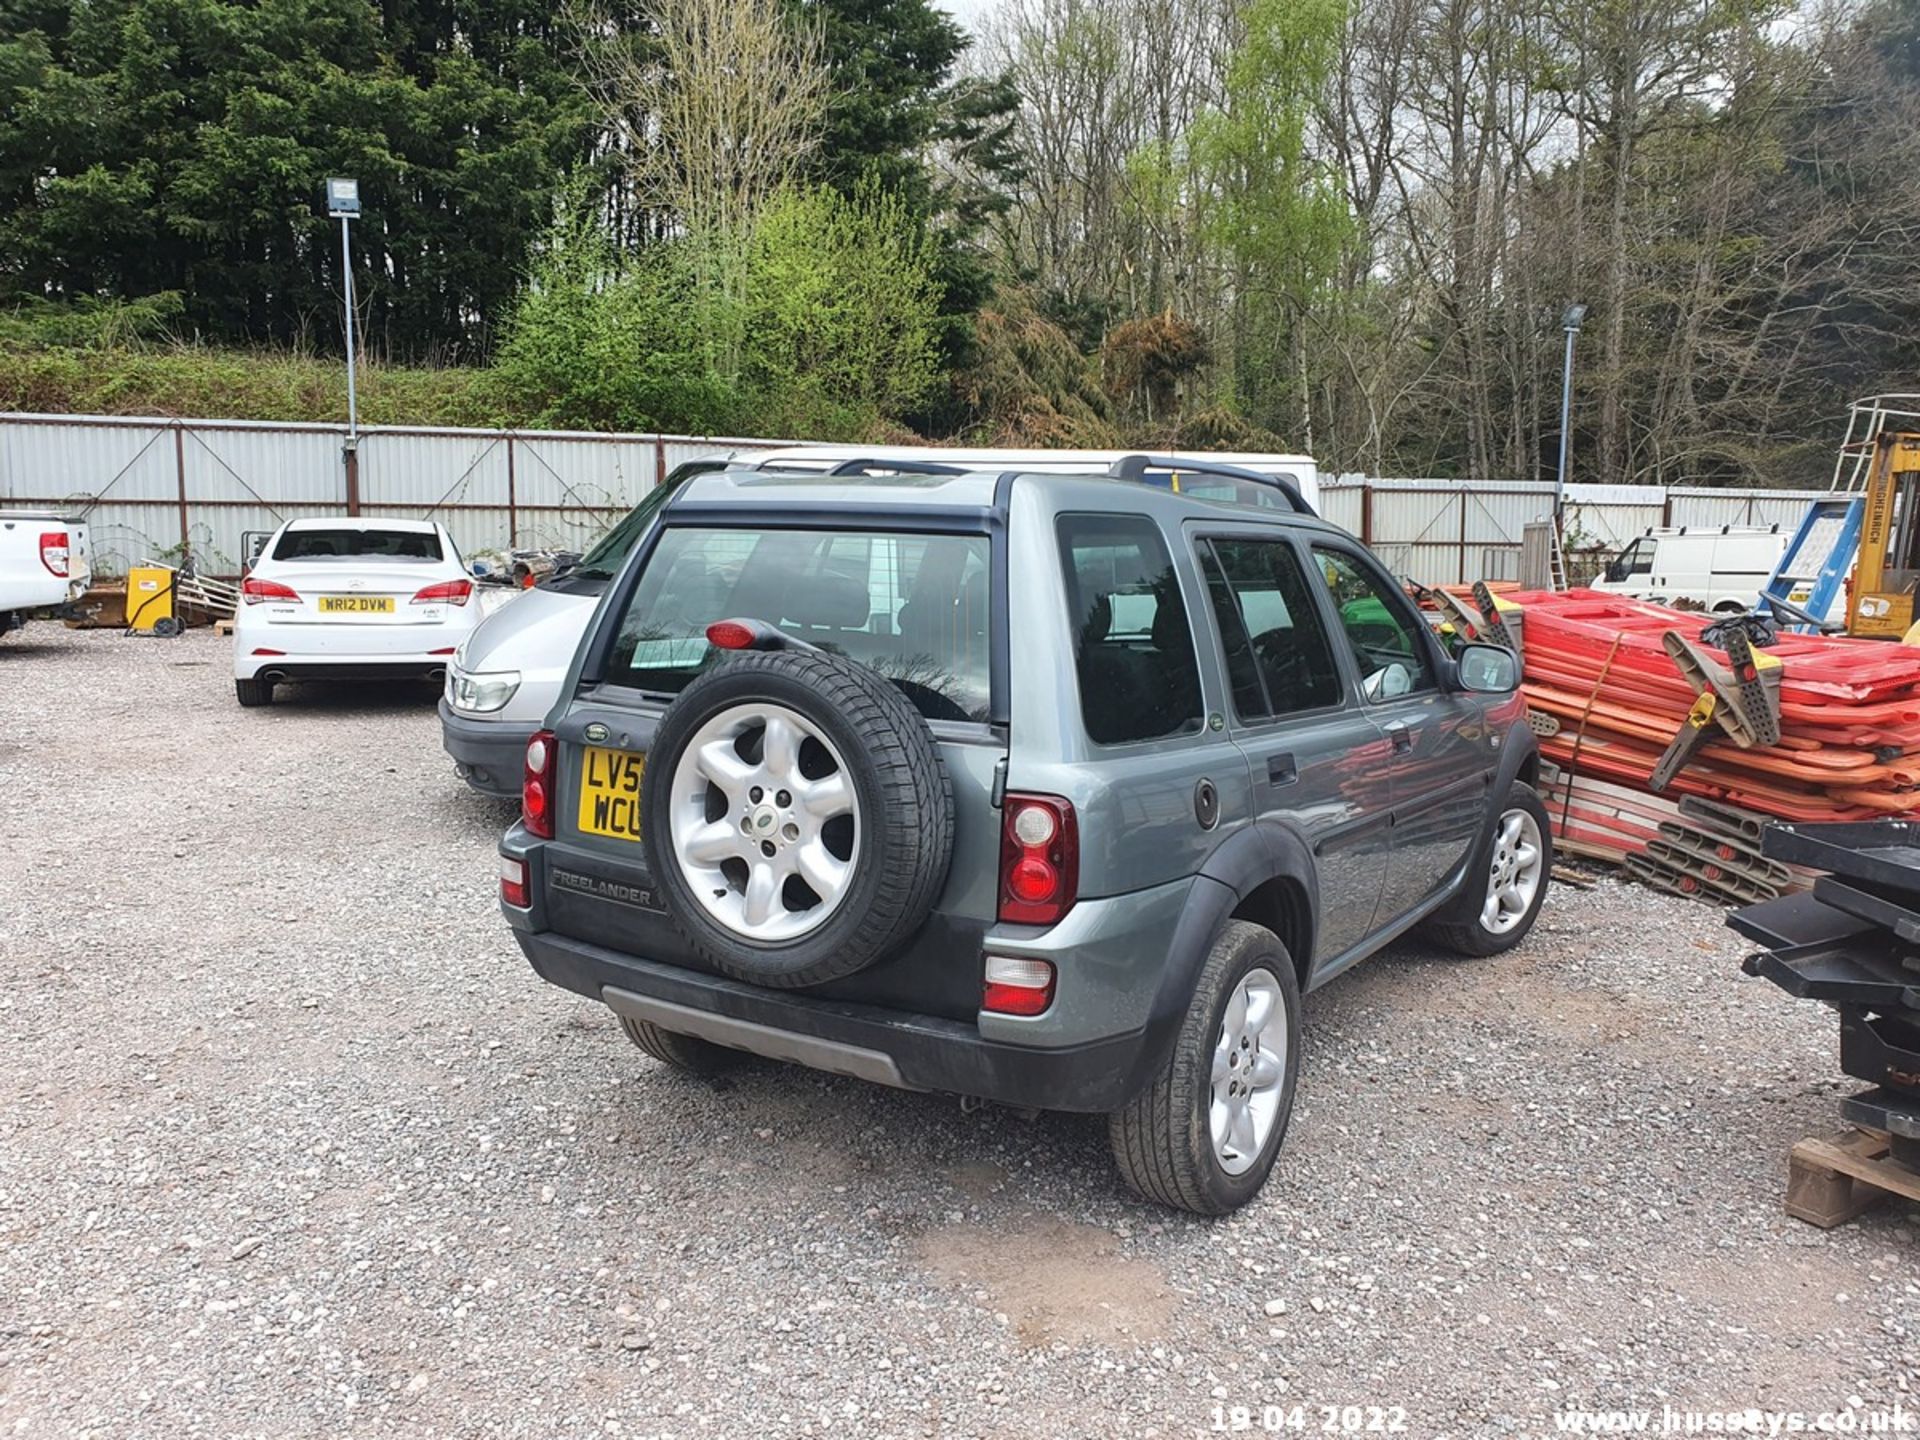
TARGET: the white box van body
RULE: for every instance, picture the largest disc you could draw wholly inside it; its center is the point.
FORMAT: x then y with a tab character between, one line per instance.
1722	569
43	564
508	673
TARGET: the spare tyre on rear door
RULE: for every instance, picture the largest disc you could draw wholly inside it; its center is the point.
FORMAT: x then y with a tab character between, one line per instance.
797	816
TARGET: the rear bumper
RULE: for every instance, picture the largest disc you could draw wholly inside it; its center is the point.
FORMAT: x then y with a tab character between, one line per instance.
490	755
322	651
389	669
917	1052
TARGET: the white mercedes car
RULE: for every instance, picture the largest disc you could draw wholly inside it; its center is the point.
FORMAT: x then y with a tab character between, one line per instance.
351	599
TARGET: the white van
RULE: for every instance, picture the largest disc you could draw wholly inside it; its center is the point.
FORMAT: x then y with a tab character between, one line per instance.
507	674
1722	570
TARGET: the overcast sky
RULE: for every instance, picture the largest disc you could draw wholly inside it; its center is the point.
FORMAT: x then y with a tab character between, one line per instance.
967	12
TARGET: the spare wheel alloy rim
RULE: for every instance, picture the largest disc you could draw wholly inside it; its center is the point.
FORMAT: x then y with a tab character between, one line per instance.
1249	1071
1518	866
765	823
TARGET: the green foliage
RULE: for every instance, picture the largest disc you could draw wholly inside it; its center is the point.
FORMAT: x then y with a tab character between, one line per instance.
1029	384
889	60
179	145
842	313
596	345
1274	208
831	330
90	324
246	384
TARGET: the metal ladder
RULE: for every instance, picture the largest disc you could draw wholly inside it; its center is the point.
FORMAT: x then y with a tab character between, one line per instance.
1556	560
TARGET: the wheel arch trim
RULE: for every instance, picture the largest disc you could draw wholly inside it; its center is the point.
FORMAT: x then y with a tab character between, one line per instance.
1253	858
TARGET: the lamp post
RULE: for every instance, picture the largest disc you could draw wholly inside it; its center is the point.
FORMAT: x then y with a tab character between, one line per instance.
343	204
1569	322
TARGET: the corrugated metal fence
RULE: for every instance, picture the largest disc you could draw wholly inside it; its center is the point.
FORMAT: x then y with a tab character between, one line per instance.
1444	532
149	486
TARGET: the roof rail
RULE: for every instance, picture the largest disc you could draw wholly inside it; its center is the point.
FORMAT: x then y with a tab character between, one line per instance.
1136	467
895	467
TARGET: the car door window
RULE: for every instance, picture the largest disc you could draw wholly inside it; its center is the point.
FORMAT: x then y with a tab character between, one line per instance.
1381	627
1279	661
1133	645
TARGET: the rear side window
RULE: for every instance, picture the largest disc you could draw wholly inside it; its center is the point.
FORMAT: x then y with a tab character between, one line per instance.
1278	658
357	544
1133	645
915	608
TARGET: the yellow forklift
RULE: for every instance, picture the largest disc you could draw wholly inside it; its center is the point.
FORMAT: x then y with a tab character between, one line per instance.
1853	567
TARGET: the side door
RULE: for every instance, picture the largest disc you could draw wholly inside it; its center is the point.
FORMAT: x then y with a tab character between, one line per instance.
1439	759
1317	757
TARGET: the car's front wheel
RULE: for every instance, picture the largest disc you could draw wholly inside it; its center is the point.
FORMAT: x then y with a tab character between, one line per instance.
1203	1134
1498	906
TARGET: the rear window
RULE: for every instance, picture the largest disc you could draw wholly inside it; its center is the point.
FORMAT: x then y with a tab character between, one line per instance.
357	544
912	607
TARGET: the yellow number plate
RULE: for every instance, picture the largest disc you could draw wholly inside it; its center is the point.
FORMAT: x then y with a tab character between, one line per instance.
356	604
610	792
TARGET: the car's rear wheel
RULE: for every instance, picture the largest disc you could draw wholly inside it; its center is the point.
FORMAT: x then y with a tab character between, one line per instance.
1203	1134
683	1052
251	693
1498	908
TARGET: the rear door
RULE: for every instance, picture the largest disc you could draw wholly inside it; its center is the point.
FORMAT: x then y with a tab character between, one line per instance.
912	605
1439	762
1318	759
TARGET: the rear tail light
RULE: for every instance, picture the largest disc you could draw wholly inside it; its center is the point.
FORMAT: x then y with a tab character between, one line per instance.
536	786
513	882
254	590
1039	859
729	635
447	592
1017	987
53	552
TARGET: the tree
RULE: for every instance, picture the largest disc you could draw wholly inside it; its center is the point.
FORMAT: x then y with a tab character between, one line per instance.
155	145
1273	208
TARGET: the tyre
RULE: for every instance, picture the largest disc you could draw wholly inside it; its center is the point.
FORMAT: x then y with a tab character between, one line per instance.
683	1052
251	693
1203	1134
1500	901
796	816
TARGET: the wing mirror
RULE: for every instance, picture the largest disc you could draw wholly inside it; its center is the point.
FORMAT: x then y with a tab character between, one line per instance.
1487	669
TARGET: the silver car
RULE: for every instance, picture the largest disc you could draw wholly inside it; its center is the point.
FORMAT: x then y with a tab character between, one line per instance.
1057	791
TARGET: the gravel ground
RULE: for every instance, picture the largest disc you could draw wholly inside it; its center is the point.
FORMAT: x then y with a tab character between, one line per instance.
294	1143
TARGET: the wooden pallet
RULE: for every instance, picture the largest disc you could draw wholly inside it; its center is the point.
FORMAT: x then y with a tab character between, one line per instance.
223	627
1831	1181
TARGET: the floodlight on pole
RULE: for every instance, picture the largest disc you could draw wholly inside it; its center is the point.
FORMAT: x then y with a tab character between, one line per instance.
1570	323
343	204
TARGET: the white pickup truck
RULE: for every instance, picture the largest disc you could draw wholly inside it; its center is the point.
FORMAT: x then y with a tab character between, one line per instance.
43	564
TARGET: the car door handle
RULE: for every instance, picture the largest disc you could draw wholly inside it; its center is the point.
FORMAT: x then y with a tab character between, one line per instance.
1281	770
1400	734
